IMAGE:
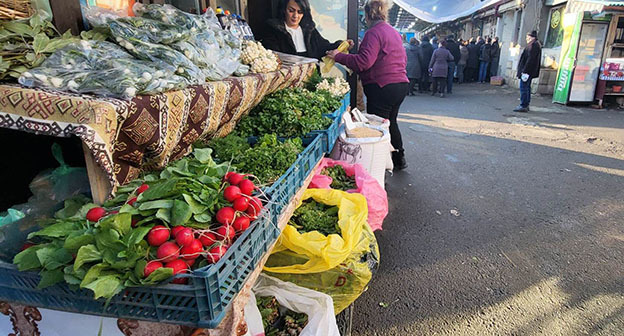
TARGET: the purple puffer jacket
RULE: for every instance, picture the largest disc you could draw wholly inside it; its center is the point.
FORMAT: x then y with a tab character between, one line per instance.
439	62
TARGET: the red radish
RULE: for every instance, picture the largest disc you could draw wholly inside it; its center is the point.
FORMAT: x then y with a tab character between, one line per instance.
131	201
142	188
226	215
241	204
27	245
192	250
94	214
184	236
216	253
228	175
235	178
225	232
256	203
134	222
158	235
241	224
207	239
247	187
114	212
190	262
175	230
231	193
178	266
167	252
151	267
252	212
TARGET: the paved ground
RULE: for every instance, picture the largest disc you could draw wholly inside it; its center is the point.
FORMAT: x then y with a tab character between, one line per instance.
504	223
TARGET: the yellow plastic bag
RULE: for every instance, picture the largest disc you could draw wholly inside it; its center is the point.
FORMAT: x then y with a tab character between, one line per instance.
325	252
339	266
328	63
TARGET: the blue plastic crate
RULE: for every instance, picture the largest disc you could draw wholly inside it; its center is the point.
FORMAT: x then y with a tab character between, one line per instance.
284	189
331	134
202	302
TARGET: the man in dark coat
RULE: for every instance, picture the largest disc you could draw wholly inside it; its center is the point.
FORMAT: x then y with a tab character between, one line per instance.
528	68
426	51
495	50
414	68
472	66
453	47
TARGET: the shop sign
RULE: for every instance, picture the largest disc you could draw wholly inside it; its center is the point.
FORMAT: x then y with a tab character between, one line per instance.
572	23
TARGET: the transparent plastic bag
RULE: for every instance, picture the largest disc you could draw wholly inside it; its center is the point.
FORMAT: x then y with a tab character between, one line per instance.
170	15
160	53
100	17
104	69
50	189
148	30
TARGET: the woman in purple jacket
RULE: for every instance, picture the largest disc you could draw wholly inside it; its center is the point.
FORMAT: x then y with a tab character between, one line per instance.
439	68
381	63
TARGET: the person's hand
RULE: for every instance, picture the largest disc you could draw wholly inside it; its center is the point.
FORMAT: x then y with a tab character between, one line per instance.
332	53
351	44
524	77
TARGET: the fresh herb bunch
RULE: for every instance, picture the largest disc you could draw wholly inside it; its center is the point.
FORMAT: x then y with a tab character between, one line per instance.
289	323
268	159
24	44
291	112
313	81
315	216
341	181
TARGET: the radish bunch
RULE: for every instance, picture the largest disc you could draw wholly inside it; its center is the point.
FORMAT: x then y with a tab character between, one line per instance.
245	207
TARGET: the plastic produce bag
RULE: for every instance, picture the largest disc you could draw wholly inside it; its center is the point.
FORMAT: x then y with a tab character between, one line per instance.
376	196
11	216
101	68
50	189
318	306
337	265
148	30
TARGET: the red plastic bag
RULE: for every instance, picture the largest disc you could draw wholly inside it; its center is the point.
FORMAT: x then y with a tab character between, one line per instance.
376	196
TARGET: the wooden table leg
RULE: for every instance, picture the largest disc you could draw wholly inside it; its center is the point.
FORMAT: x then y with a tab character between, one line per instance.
100	187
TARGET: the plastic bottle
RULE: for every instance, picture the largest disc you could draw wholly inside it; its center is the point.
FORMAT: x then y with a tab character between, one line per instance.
233	25
223	20
246	28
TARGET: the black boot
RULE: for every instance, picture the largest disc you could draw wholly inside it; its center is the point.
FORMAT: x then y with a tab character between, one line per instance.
398	159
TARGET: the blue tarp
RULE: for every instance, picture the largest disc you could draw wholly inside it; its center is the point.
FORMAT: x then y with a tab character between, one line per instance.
436	11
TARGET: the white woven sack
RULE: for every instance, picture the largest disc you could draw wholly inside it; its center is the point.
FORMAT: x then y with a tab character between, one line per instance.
371	153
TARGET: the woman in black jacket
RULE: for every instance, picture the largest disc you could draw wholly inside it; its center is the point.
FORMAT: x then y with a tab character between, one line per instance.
294	32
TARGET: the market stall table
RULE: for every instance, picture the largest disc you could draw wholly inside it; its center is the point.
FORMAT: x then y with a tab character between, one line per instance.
122	138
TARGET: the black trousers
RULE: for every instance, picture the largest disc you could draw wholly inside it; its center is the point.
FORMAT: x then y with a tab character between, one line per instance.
439	83
471	74
385	102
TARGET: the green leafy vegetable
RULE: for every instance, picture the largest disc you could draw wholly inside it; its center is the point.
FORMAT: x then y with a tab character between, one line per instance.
315	216
340	179
268	159
291	112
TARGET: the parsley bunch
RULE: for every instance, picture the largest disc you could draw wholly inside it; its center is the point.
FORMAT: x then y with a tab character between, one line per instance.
291	112
315	216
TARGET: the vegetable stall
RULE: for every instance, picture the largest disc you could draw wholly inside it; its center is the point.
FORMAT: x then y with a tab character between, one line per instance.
200	146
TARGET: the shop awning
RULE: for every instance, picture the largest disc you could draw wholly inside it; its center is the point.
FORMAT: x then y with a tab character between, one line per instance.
437	11
606	3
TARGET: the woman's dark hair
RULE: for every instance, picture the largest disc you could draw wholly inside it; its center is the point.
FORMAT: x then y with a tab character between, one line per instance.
443	43
306	20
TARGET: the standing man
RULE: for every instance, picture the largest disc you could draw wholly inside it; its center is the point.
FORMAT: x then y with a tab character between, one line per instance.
495	49
528	68
426	51
414	67
453	47
485	56
434	42
472	67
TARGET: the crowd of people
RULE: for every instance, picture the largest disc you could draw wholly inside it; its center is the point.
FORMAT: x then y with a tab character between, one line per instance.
434	65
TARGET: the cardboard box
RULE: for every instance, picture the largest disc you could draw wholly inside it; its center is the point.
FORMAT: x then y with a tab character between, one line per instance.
497	80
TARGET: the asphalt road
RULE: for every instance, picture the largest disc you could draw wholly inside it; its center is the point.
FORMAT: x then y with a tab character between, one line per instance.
504	223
